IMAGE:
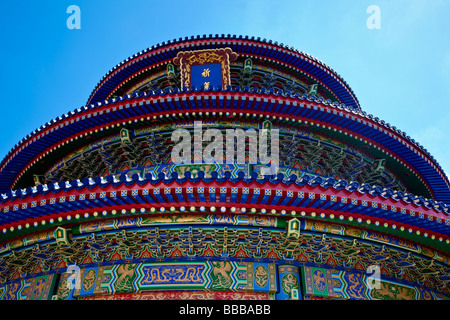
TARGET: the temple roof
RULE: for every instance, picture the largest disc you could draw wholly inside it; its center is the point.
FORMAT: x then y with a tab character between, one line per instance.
67	132
342	119
282	55
325	197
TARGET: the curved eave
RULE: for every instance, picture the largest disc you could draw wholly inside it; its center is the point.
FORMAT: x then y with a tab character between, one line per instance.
356	126
253	47
320	198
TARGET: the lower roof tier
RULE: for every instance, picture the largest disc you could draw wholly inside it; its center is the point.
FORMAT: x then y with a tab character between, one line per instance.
349	204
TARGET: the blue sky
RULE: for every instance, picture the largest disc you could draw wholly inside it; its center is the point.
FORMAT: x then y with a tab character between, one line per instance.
400	73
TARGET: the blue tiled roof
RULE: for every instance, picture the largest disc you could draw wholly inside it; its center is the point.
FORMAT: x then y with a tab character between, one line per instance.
145	104
101	199
284	54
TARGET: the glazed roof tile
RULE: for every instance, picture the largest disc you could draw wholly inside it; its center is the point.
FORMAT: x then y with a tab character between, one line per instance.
17	206
337	115
241	45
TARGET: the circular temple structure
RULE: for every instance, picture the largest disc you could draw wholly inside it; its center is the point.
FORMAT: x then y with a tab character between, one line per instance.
106	202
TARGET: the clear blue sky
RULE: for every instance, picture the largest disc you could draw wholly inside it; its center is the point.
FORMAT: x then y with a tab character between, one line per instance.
400	73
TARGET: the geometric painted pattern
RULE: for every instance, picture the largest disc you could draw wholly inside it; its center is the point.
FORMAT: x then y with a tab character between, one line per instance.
204	275
157	249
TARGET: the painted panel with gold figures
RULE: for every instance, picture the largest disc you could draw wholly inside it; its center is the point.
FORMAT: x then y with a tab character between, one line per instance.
143	277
